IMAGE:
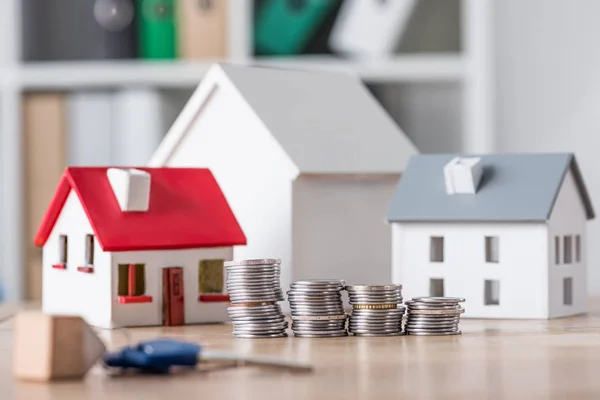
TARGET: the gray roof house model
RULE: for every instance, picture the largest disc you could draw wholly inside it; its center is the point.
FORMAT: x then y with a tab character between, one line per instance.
507	232
514	187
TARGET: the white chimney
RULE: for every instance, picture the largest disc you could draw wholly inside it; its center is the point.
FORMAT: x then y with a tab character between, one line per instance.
463	175
131	187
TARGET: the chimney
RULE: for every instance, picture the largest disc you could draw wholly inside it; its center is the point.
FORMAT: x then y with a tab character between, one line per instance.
463	175
131	188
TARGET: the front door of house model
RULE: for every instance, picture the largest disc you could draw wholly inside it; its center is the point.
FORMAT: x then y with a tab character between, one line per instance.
173	304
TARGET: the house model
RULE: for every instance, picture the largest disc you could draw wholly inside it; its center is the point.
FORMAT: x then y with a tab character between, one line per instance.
507	232
134	247
307	160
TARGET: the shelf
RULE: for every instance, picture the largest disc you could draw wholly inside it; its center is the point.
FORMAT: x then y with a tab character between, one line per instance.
94	74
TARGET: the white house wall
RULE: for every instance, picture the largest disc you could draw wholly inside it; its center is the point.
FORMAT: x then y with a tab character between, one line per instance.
68	291
521	271
147	314
568	219
339	227
251	168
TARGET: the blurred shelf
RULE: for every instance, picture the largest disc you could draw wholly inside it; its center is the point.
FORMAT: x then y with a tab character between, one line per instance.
77	74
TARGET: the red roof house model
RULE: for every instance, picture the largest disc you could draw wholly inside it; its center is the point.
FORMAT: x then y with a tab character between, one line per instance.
186	210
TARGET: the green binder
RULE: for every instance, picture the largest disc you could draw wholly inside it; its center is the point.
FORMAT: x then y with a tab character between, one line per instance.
156	24
285	27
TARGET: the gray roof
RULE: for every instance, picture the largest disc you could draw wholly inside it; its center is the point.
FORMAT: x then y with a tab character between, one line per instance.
515	187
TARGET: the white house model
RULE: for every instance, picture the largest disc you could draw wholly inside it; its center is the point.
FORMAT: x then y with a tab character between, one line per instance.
307	160
134	247
507	232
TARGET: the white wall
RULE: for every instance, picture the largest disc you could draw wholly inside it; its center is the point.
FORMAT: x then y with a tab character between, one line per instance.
252	170
568	218
151	313
548	87
70	292
340	229
522	267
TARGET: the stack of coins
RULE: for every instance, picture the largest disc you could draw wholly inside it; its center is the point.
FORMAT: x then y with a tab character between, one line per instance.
317	308
431	316
376	310
254	289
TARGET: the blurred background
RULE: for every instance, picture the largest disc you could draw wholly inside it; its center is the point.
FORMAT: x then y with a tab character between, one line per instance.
98	82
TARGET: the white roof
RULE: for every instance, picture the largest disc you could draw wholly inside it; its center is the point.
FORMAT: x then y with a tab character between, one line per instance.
326	122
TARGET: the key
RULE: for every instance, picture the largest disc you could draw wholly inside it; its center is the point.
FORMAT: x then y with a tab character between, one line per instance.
160	355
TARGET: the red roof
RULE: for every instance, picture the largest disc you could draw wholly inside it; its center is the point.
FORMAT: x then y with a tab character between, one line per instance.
187	210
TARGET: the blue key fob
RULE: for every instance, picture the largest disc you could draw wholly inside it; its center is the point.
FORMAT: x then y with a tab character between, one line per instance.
155	356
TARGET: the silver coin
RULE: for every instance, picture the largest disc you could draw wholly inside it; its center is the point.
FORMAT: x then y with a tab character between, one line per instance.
253	336
243	321
313	300
420	321
320	335
439	299
255	261
319	317
372	287
315	329
435	333
376	334
437	307
437	312
431	328
256	307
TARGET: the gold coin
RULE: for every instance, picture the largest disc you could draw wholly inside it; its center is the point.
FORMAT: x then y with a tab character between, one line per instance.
374	306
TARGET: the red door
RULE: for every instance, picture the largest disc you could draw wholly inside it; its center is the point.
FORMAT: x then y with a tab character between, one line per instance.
173	296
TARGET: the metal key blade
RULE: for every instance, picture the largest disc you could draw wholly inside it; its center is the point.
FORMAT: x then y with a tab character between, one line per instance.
211	355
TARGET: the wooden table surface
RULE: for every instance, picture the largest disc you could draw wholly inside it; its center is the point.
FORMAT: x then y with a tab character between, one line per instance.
558	359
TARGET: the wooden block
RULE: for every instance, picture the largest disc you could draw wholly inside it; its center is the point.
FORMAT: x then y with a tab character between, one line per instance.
50	347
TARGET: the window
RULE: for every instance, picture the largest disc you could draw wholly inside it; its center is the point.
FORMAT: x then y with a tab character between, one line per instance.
210	276
568	291
577	248
89	249
567	249
491	293
436	249
132	284
556	250
436	287
63	244
491	249
62	253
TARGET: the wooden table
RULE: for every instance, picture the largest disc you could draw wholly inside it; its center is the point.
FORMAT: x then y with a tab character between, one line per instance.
557	359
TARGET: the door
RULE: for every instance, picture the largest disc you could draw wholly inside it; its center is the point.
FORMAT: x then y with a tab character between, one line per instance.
173	303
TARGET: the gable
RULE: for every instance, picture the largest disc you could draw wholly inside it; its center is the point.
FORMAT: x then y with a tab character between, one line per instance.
325	122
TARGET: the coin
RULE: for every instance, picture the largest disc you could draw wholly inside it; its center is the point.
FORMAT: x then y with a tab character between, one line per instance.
376	310
263	261
370	288
430	316
254	289
317	308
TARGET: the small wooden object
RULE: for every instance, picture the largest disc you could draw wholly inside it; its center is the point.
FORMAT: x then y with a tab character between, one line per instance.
51	347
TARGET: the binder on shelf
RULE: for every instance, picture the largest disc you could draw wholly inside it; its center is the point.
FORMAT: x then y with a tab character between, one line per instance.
89	128
137	126
156	29
370	28
78	29
202	27
44	130
285	27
